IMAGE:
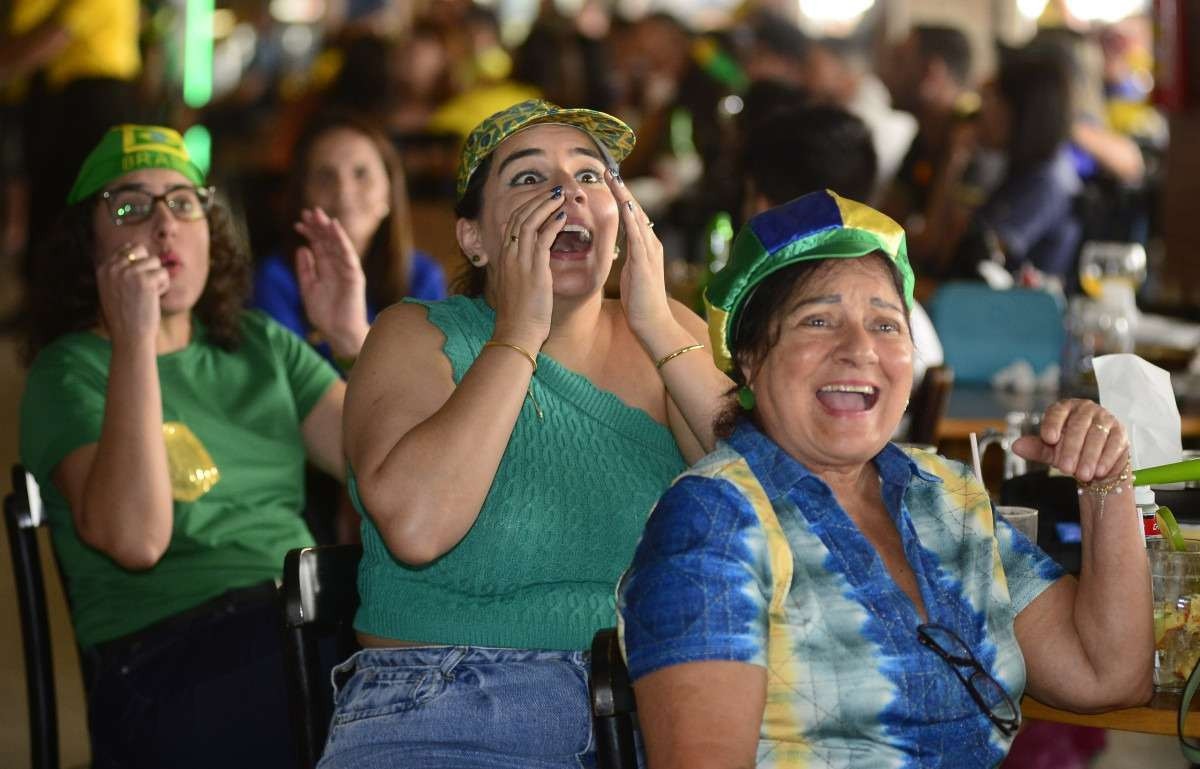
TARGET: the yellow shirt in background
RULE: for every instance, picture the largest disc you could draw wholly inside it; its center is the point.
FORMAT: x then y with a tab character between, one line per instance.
104	37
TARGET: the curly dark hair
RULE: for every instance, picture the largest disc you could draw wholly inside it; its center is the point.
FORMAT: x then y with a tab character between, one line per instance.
756	329
63	297
387	263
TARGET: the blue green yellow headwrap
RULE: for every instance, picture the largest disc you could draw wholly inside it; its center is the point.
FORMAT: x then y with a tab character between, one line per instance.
616	137
130	147
820	225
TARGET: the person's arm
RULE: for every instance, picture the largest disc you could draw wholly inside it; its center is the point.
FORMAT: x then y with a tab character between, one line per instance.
693	383
698	665
1116	153
322	431
425	451
21	54
702	715
119	489
1089	646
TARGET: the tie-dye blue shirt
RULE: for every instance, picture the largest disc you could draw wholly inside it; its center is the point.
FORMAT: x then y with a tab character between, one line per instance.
749	557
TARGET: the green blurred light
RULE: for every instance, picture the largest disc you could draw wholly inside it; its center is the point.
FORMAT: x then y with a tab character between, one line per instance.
198	53
199	146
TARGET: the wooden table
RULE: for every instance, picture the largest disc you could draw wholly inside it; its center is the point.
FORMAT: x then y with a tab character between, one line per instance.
975	409
1157	717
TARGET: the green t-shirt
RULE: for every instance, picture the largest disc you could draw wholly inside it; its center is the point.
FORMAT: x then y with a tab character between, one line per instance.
236	412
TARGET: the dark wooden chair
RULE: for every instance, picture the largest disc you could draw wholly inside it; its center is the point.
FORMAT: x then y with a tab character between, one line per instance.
23	516
928	404
614	711
319	597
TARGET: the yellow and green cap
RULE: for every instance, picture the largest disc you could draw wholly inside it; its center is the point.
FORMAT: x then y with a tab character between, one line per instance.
819	225
130	147
612	134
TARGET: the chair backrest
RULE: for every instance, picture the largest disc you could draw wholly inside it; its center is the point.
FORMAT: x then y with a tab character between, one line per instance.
983	330
320	596
23	514
614	711
929	404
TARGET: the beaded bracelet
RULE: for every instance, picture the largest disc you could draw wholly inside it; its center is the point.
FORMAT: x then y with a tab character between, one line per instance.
1100	489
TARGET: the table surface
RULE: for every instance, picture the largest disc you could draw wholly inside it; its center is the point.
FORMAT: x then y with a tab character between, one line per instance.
1156	717
975	409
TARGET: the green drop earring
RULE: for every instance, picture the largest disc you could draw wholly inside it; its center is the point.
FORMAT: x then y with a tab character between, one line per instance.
745	398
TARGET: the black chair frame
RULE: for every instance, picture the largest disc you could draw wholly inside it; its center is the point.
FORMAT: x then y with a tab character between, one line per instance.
614	710
319	597
23	516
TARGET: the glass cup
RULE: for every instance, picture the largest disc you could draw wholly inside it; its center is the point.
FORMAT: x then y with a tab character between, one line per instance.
1175	582
1023	519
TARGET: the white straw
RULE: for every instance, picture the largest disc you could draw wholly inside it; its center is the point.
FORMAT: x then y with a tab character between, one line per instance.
975	457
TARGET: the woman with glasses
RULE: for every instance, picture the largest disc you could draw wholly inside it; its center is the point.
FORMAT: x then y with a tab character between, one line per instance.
810	594
169	429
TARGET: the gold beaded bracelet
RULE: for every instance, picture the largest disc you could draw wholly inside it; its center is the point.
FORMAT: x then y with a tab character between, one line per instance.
1102	488
518	348
658	364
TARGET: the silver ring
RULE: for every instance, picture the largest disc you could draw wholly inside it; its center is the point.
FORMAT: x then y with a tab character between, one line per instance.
1102	428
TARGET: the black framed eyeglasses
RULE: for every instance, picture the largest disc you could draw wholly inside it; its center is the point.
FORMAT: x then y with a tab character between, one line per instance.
987	692
133	205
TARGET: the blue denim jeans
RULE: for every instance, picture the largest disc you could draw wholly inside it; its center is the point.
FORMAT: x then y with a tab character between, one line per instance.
461	707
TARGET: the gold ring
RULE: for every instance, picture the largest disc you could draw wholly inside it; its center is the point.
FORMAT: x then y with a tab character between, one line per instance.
1102	428
512	238
131	256
650	224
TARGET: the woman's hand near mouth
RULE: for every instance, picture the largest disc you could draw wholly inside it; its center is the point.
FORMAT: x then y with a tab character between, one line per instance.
332	283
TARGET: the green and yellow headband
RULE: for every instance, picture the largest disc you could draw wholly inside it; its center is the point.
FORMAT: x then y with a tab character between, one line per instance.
616	137
820	225
130	147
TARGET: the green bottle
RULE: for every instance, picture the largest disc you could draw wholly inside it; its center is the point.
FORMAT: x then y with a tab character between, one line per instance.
717	244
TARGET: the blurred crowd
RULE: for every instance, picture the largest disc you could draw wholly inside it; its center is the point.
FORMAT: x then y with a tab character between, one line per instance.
1011	166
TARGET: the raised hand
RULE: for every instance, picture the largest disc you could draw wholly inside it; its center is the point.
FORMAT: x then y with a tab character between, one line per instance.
1080	438
332	284
130	282
643	281
520	283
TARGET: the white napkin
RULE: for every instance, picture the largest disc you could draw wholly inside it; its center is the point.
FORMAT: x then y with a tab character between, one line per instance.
1140	396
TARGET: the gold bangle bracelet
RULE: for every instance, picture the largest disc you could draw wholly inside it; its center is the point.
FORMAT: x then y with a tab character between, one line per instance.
518	348
658	364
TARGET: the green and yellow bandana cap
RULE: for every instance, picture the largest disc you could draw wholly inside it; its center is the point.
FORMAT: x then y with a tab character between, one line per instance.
129	147
612	134
820	225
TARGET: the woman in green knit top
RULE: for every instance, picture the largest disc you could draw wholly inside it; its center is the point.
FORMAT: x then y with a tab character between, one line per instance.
506	446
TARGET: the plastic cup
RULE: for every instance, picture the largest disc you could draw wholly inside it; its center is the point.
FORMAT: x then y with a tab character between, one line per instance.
1175	582
1023	519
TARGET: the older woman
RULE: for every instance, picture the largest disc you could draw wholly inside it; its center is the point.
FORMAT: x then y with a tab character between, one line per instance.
169	430
507	446
811	595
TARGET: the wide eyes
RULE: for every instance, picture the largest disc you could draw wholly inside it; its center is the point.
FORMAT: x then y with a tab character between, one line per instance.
583	176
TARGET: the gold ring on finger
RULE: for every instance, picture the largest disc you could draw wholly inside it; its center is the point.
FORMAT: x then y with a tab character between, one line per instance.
1102	428
131	256
512	238
650	224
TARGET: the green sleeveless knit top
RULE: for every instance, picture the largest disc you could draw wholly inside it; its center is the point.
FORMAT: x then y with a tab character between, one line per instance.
539	568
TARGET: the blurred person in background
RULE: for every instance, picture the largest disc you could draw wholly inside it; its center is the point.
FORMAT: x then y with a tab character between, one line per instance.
73	65
348	200
168	428
567	58
929	75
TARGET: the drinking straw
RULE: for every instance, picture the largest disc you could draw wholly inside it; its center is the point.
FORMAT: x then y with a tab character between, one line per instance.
975	457
1173	472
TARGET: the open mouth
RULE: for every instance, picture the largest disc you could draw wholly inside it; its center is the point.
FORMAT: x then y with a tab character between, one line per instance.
170	262
574	242
848	397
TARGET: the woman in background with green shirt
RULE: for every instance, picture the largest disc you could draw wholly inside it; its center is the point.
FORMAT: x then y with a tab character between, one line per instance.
168	429
506	447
